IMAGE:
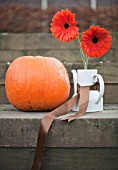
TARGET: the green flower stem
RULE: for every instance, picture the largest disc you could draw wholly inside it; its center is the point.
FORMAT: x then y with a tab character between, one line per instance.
86	60
84	57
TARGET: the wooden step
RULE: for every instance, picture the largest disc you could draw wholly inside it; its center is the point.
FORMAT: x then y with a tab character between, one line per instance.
88	143
109	73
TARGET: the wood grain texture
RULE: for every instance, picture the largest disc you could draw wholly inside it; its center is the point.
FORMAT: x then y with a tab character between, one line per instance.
3	98
9	107
88	131
38	41
68	55
87	143
3	69
110	95
32	41
15	45
108	71
61	158
63	55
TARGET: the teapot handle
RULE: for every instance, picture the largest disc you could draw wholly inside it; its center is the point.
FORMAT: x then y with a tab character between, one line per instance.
74	72
101	82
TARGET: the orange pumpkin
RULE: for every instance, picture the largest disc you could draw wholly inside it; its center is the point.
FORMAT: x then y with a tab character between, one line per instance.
37	83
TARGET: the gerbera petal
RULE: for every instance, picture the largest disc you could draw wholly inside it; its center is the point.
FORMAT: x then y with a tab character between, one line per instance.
64	34
100	46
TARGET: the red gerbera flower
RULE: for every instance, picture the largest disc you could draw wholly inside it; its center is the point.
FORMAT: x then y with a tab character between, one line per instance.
96	41
63	26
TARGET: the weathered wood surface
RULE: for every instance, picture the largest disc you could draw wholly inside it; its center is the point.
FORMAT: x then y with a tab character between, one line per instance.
9	107
88	143
20	129
15	45
29	41
70	55
61	159
3	98
110	95
108	71
32	41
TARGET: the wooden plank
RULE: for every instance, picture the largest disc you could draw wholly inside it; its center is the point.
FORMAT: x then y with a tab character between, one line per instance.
3	69
61	158
10	55
3	98
110	95
108	71
36	41
7	111
20	129
68	55
12	159
9	107
111	106
32	41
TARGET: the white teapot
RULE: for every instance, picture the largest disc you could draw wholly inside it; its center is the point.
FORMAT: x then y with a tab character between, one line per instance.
89	78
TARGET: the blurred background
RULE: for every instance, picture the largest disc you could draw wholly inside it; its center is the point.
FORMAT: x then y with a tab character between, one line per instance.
18	16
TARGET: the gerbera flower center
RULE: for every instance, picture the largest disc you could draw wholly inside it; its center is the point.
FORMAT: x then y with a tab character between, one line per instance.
66	25
95	40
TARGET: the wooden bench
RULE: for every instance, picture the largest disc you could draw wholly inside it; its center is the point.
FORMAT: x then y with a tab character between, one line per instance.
14	45
88	143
